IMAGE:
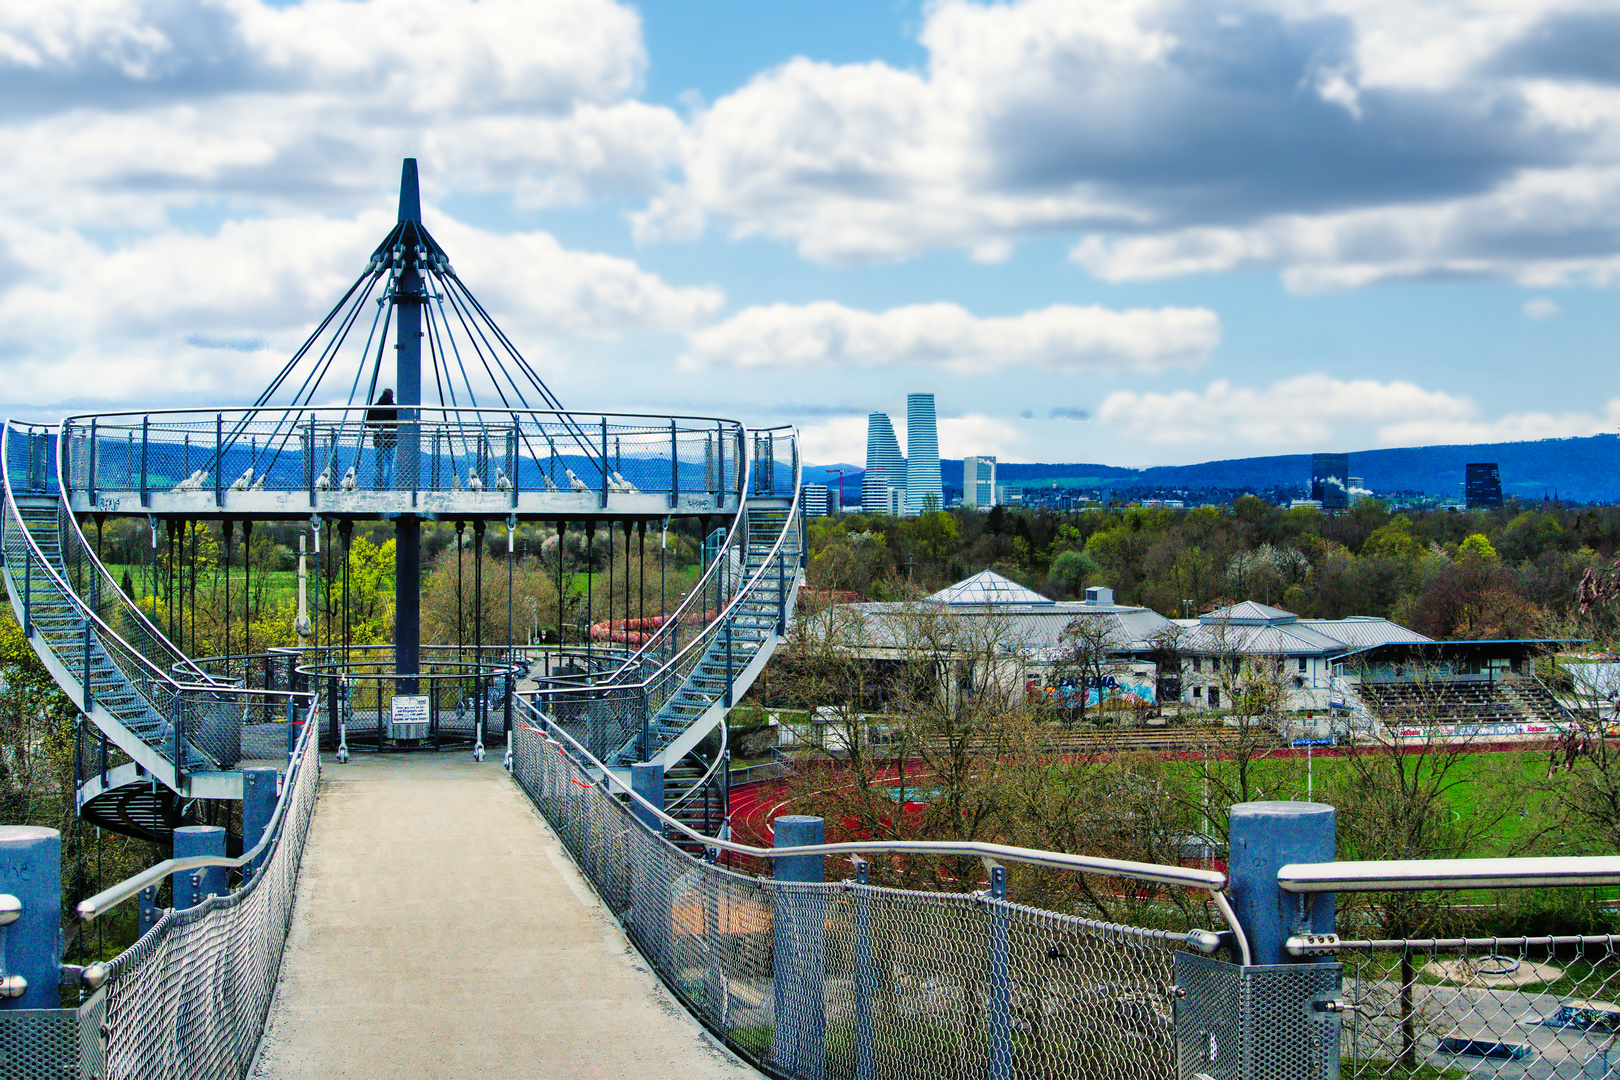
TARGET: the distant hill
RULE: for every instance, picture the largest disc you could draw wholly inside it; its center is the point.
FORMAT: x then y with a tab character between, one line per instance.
1578	470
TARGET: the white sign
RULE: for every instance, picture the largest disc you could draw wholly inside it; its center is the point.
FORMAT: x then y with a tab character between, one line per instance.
410	717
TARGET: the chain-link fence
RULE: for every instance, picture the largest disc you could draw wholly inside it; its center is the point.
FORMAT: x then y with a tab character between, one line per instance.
843	979
190	998
1540	1007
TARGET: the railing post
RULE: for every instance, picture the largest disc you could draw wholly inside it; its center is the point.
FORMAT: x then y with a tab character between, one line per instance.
798	1045
781	592
309	457
865	976
649	886
30	875
148	911
258	805
192	887
674	468
728	661
28	592
720	468
146	432
998	1009
604	464
1265	837
90	485
89	697
219	454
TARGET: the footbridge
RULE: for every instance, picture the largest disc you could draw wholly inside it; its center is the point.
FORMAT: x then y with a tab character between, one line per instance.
508	858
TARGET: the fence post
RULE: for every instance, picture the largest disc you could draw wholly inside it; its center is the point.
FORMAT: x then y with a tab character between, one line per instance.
865	976
219	458
649	885
998	1008
1265	837
647	780
30	875
191	887
146	433
798	1046
674	468
258	805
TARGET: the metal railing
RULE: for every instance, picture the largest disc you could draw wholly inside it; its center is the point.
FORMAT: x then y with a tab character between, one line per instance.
613	714
190	998
845	979
213	454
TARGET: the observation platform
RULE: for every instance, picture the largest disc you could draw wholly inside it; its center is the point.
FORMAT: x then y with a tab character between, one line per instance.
441	931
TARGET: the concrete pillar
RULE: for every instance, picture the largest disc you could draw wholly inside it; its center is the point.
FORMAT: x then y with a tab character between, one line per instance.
800	972
1265	837
258	806
192	887
31	873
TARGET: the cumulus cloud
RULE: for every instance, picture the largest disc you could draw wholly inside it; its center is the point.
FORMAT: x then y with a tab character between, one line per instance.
1339	140
1312	409
1061	338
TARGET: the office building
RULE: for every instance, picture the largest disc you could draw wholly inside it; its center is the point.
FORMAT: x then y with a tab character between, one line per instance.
979	482
885	467
813	500
925	491
1482	486
1330	480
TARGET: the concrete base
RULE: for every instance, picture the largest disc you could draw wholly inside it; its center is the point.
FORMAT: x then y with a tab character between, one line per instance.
441	931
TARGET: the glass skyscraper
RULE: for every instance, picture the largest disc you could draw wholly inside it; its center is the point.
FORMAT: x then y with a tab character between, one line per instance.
885	467
925	491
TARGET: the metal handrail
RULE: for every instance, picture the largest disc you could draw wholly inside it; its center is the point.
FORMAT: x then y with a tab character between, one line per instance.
50	571
1211	881
110	897
177	656
1417	875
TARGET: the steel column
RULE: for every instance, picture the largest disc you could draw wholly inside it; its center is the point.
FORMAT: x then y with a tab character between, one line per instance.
798	1045
30	874
408	300
192	887
258	805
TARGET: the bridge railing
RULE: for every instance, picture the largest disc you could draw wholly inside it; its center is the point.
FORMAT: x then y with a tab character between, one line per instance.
815	979
190	998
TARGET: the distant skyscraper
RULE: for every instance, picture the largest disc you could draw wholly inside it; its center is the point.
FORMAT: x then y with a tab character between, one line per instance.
924	488
885	467
1330	480
1482	486
979	482
813	500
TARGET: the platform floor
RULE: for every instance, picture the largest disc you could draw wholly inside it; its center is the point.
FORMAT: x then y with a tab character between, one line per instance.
441	931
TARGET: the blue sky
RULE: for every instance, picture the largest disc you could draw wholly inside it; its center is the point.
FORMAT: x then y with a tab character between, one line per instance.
1134	232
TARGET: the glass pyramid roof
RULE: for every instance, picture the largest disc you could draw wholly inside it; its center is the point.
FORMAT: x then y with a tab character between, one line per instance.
988	587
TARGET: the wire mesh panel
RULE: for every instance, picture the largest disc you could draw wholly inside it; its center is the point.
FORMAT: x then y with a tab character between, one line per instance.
189	999
1483	1007
839	979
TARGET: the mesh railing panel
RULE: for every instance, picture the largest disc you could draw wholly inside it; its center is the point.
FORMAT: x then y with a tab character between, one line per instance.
1483	1007
848	980
190	998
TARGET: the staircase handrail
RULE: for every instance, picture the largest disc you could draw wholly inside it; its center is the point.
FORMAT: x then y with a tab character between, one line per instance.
694	649
107	633
176	656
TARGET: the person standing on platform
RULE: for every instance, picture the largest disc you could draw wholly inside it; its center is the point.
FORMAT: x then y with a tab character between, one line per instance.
383	421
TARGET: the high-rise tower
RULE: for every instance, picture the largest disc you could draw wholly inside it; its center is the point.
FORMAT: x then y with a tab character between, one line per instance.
925	491
885	467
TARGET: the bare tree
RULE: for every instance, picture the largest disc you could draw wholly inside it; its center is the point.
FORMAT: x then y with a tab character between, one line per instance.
1088	649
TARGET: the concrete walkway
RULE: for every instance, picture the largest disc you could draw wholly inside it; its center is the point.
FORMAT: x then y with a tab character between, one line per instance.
441	931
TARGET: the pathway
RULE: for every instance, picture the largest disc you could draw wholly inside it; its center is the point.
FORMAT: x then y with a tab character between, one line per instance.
441	931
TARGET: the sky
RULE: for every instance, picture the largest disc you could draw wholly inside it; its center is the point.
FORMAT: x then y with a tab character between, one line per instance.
1122	231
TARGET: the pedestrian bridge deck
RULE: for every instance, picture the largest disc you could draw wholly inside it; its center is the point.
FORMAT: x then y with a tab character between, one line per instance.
441	931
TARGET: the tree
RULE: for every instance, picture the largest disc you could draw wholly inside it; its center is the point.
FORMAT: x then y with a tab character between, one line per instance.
1069	572
1088	648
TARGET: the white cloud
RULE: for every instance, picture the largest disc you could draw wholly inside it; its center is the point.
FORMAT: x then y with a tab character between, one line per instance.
843	438
1310	410
1061	338
1341	141
147	319
1540	307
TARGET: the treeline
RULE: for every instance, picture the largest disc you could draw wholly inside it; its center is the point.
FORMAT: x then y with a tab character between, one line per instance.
1508	573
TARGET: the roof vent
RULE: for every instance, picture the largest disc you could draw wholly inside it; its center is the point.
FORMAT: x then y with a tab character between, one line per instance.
1098	596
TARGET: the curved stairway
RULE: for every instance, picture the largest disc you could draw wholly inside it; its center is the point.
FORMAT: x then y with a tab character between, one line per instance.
156	741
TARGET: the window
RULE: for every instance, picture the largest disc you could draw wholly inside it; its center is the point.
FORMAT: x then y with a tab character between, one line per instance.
1302	663
1198	693
1198	664
1214	697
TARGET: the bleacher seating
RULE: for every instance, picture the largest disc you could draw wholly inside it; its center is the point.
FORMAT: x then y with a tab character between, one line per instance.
1462	701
